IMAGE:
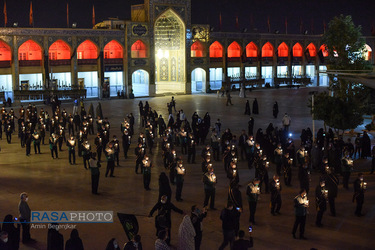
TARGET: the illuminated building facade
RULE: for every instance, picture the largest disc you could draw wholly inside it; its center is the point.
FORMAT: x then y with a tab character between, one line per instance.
158	51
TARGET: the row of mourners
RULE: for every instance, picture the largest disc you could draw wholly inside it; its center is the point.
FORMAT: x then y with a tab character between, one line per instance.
30	53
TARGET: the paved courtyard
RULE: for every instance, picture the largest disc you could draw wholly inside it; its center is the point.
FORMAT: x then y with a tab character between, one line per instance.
57	185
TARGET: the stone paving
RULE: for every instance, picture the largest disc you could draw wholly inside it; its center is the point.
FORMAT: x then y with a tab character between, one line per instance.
56	185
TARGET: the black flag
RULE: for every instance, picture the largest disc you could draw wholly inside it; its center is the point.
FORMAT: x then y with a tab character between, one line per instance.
129	223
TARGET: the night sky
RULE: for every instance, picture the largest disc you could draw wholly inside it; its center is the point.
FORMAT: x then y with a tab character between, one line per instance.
312	14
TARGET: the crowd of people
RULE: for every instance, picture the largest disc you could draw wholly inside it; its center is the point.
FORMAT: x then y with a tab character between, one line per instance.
180	139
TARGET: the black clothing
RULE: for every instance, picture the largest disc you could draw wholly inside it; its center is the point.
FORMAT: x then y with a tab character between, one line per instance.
196	220
321	203
242	244
74	242
229	218
332	183
55	240
163	219
359	195
304	179
275	110
255	107
275	196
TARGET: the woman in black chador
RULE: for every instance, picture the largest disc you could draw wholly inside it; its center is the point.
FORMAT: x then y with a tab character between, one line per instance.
255	107
247	108
275	110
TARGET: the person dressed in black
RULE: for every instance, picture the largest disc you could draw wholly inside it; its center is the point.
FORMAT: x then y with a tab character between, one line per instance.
191	149
304	177
71	143
53	145
179	176
241	243
275	110
209	181
134	244
126	140
146	171
346	169
247	108
255	107
301	203
275	187
366	145
28	140
99	146
13	232
250	126
164	186
25	215
94	166
36	139
229	216
332	183
287	169
110	155
163	219
197	217
74	242
252	193
278	158
321	196
359	194
112	245
139	153
86	153
55	240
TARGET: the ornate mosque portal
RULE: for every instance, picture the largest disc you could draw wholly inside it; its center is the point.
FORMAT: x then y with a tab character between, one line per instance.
169	53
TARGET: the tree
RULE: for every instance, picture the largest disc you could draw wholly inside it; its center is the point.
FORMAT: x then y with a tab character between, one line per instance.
343	107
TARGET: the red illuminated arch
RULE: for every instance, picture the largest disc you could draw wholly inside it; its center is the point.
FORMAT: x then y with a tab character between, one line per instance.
87	50
59	50
282	50
267	50
216	50
30	51
138	50
297	50
113	50
5	51
251	50
324	50
234	50
312	50
197	49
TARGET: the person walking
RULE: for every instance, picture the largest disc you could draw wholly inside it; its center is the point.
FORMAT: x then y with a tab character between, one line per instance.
163	219
197	217
228	217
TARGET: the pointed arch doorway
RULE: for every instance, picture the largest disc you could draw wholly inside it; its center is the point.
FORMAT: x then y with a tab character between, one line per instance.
169	32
